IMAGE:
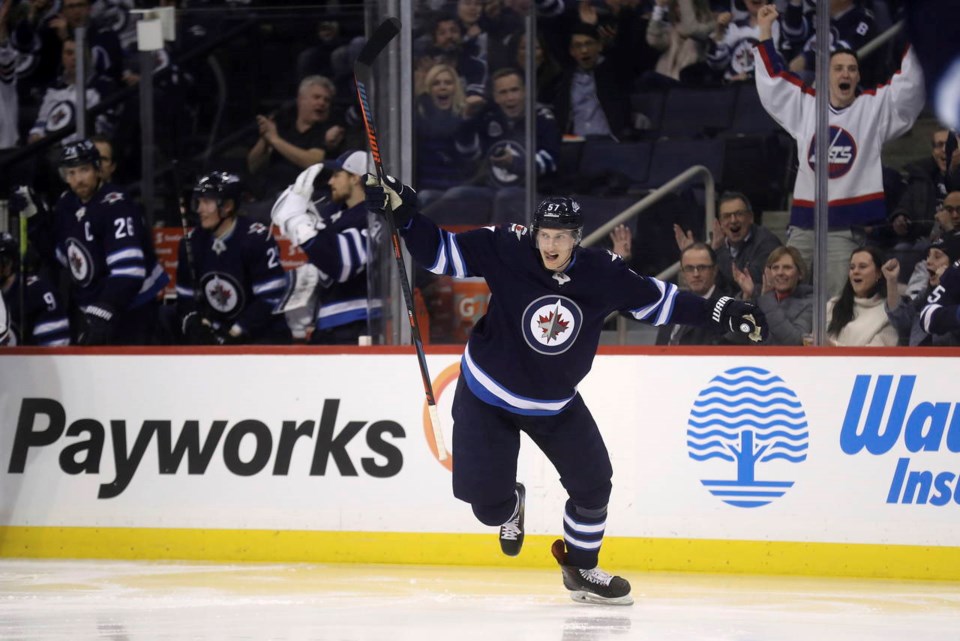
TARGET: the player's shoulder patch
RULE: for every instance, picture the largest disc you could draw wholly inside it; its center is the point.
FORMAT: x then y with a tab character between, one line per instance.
258	228
517	230
112	197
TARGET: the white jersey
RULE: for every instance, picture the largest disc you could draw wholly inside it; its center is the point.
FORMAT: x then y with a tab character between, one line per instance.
857	134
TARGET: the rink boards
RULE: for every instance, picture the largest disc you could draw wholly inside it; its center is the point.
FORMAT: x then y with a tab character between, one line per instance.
828	462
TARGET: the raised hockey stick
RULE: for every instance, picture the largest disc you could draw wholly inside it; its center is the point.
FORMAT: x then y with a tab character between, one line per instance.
362	74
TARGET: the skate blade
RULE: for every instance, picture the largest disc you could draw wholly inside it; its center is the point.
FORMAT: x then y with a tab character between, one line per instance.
581	596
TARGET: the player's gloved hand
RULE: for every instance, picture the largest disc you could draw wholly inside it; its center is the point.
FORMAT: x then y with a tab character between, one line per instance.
97	325
296	215
740	317
305	182
197	330
24	202
390	194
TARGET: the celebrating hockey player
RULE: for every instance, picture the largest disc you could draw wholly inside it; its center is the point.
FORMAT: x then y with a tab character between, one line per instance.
97	233
526	356
229	276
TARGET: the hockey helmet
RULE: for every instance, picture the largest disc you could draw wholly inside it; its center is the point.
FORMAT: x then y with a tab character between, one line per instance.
219	185
77	154
558	212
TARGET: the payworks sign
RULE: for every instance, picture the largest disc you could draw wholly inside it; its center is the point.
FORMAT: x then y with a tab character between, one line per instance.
880	414
748	430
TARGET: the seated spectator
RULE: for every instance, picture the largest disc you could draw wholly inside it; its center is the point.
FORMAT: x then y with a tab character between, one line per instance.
439	115
730	48
929	180
229	276
901	238
447	46
316	59
851	27
10	63
496	139
858	316
698	264
44	318
680	29
742	247
591	98
514	54
786	302
904	311
289	143
469	13
108	162
59	108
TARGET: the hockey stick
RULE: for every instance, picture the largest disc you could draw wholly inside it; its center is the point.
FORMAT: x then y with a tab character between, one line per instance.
182	210
362	74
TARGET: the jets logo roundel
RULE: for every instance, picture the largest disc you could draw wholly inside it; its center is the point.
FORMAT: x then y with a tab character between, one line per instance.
551	324
841	155
80	262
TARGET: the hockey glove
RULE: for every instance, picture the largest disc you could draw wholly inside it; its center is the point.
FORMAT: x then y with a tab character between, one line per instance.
197	330
393	195
741	318
306	181
296	216
24	202
97	325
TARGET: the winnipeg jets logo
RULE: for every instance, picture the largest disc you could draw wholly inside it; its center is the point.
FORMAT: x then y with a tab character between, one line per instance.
80	262
81	213
518	230
561	278
223	293
840	156
551	324
112	197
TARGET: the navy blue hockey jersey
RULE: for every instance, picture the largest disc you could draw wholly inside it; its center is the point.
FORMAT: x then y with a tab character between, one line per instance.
540	333
44	316
942	311
106	249
238	280
340	252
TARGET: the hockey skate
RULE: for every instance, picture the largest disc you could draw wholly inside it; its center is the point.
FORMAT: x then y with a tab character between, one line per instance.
511	532
591	586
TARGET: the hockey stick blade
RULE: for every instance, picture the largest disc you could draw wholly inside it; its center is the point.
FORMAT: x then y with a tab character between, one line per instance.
386	32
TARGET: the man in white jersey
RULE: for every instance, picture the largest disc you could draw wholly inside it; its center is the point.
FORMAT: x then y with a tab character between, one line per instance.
860	122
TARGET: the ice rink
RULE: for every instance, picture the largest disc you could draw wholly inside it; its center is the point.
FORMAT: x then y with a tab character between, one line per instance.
133	601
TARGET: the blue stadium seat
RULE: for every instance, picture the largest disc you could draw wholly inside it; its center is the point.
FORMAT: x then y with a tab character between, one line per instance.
598	210
629	158
650	103
749	115
694	111
671	157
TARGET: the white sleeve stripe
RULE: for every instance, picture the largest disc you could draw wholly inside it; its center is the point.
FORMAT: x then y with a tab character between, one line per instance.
270	285
50	327
439	265
456	258
129	272
345	258
666	310
125	254
927	315
644	312
184	291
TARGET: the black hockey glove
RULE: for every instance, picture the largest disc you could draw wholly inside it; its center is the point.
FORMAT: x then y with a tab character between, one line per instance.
743	319
97	325
197	330
391	194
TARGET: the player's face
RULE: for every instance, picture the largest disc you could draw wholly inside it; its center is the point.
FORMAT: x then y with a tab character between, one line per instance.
864	274
442	90
785	274
844	78
937	261
207	210
509	95
313	104
83	180
699	271
341	185
585	51
735	220
556	247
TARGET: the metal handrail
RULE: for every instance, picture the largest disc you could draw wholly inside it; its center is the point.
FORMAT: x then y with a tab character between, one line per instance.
648	201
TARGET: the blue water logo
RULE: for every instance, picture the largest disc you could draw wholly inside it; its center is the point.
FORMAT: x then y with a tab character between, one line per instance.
749	418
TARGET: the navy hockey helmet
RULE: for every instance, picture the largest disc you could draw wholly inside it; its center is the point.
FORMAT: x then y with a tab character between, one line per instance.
558	212
82	152
220	185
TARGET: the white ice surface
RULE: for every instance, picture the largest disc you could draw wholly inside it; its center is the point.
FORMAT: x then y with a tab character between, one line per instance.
133	601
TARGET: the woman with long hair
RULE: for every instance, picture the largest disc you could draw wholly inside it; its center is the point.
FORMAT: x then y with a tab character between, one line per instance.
858	316
440	112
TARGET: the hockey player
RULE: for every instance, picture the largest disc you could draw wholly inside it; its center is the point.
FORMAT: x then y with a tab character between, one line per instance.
334	238
44	317
97	234
860	123
526	356
229	276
